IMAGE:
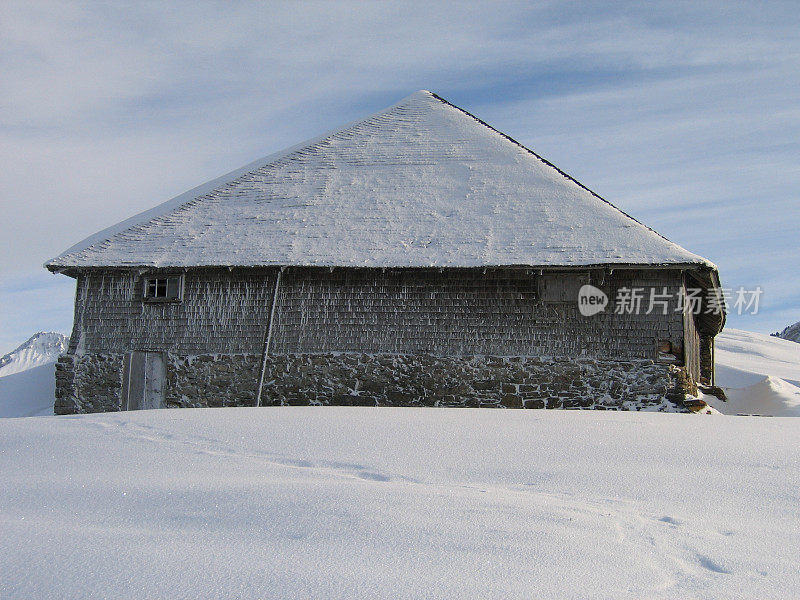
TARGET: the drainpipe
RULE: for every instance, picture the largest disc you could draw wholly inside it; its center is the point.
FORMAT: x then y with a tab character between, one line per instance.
268	337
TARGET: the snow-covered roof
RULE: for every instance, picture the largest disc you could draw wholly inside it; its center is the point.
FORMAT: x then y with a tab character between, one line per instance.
419	184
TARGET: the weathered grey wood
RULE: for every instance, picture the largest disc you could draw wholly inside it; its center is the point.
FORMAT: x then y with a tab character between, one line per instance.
136	380
449	312
126	382
154	374
143	379
268	339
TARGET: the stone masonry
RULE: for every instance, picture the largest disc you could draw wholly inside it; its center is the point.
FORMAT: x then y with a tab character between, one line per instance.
92	383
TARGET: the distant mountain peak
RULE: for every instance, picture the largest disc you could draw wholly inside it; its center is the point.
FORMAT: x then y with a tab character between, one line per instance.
791	333
41	348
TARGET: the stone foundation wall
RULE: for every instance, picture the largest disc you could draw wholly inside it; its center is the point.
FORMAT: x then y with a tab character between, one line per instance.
212	380
88	383
92	382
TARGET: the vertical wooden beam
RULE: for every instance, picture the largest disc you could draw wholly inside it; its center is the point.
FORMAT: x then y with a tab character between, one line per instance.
268	337
713	363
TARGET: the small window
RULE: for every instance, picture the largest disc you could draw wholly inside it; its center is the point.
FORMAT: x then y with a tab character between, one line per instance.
163	289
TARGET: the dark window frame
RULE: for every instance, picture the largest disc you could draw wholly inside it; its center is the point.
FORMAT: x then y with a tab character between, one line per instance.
162	288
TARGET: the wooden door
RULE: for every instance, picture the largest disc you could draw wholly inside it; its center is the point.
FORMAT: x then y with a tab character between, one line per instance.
143	381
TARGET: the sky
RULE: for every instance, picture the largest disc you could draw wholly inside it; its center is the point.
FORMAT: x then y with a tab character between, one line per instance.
685	115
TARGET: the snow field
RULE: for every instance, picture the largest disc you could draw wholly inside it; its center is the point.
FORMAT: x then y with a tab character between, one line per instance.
340	502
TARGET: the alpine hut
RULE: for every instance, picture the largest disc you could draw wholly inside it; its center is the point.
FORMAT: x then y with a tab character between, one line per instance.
415	257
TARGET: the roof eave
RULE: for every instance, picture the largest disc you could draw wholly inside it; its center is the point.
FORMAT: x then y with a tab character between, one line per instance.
69	269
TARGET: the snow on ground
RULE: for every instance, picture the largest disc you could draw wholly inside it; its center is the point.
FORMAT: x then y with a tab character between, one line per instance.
759	373
744	358
30	393
338	502
772	396
342	502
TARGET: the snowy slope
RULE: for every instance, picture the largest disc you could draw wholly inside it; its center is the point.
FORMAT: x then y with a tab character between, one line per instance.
335	502
419	184
40	349
759	373
27	376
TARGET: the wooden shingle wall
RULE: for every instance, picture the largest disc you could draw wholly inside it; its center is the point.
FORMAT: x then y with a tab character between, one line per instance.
221	312
448	312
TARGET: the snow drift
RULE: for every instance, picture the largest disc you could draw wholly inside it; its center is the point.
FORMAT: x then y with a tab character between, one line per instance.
30	393
759	373
772	396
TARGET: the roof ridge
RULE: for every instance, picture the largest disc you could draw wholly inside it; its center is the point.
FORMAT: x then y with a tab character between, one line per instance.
548	163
